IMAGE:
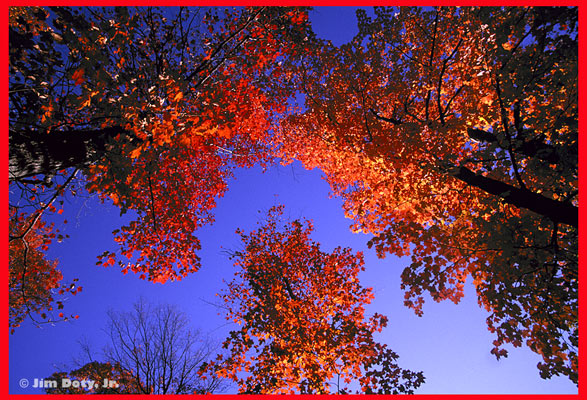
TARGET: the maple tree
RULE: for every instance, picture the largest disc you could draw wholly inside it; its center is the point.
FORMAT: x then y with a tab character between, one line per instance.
153	108
35	284
152	350
452	135
302	319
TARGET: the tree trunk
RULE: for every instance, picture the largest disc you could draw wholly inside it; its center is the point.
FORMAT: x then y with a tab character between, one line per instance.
44	153
556	210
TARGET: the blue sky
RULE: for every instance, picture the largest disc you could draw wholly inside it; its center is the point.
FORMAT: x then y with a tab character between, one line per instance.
450	343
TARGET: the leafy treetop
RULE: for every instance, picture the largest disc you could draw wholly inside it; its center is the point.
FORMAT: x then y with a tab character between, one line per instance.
452	135
302	319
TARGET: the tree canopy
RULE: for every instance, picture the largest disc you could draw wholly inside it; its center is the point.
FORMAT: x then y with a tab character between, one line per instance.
302	317
450	133
452	136
154	108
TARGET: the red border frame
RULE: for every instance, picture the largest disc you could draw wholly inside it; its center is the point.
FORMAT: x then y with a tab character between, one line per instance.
582	150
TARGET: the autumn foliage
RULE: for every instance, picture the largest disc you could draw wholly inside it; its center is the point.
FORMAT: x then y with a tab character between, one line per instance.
105	378
301	312
451	134
35	284
154	109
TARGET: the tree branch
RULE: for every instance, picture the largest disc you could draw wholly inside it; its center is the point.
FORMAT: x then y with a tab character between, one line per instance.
42	209
533	148
394	121
555	210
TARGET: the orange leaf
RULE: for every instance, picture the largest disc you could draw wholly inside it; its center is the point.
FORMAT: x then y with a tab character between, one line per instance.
78	76
86	103
135	153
